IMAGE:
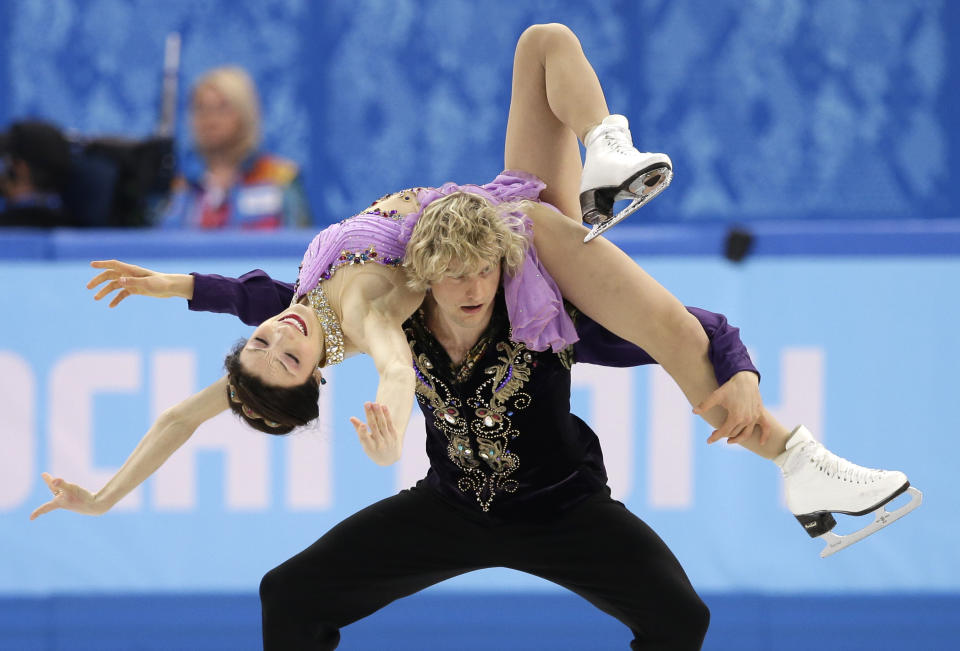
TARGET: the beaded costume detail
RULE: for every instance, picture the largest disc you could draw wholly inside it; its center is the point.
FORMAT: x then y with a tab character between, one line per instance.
332	333
480	431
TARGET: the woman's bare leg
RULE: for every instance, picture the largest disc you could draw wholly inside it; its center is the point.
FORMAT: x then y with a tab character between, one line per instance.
556	98
601	280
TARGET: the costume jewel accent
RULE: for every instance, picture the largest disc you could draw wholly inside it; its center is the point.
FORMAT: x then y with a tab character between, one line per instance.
369	254
332	333
249	413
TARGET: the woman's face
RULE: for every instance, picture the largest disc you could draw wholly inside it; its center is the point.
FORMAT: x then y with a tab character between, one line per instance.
284	350
216	123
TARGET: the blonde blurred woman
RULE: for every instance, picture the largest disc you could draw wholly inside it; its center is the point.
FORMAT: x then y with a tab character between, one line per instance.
227	181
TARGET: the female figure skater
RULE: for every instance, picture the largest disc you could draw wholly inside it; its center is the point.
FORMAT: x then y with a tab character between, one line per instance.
359	299
348	277
515	479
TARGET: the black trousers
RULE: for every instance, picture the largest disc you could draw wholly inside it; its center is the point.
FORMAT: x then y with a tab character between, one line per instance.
413	540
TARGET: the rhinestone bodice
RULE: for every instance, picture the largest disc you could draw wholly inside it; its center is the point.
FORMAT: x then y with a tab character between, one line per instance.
332	332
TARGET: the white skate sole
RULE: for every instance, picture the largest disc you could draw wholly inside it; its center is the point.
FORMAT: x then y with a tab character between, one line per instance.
883	517
596	205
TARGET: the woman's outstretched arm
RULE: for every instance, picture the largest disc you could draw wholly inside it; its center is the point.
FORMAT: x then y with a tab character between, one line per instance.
171	430
254	297
382	434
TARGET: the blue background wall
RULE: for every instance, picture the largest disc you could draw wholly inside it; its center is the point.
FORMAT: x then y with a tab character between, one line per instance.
830	126
785	109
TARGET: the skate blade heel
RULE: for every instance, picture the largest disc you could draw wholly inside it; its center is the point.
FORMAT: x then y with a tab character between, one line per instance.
596	205
817	524
882	518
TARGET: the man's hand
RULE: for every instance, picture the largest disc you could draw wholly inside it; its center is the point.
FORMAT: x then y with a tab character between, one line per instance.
380	439
131	279
740	397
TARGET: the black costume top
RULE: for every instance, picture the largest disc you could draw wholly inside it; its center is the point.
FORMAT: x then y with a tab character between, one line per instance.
500	435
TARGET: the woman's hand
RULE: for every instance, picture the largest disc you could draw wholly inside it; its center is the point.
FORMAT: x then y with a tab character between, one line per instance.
70	497
131	279
380	439
740	396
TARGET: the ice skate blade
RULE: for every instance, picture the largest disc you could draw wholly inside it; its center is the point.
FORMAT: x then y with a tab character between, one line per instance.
883	517
641	196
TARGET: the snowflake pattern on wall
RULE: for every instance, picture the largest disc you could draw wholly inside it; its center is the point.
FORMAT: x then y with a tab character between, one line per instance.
787	108
95	67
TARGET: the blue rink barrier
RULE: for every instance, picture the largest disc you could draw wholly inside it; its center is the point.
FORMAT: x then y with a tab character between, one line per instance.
482	621
770	238
852	325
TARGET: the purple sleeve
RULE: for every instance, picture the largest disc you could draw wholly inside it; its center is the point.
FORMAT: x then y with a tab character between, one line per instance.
727	353
254	296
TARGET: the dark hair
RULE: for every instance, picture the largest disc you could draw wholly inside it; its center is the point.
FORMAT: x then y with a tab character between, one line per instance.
45	150
289	406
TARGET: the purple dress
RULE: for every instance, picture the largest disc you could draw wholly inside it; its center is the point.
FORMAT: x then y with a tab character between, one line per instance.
534	304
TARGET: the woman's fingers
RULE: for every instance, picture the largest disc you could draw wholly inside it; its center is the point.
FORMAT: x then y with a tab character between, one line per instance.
113	285
101	278
121	268
119	297
45	508
56	487
382	420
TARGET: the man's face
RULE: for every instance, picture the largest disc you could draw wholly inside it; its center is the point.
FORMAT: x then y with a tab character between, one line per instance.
465	297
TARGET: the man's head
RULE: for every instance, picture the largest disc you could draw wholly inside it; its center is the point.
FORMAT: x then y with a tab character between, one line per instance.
36	159
463	234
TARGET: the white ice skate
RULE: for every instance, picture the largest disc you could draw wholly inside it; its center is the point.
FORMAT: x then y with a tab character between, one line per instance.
819	483
615	170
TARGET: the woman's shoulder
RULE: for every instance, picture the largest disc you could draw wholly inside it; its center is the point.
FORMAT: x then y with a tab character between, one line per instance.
376	289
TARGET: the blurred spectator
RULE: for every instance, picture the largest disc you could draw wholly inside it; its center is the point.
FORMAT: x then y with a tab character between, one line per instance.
227	182
34	169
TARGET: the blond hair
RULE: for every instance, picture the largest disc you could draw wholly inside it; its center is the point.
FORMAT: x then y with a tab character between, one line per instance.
464	232
238	89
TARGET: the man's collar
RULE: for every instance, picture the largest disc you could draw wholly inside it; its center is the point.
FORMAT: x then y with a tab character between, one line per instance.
499	323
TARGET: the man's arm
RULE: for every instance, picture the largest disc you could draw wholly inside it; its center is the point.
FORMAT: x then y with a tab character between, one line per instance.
727	353
738	378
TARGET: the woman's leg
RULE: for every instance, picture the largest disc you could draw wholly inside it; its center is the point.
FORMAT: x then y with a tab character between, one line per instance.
556	98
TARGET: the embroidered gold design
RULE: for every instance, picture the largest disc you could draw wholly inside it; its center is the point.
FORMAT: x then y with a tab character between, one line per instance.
494	453
460	451
478	442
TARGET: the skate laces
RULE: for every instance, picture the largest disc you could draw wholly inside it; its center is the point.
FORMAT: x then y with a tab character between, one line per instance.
619	140
839	468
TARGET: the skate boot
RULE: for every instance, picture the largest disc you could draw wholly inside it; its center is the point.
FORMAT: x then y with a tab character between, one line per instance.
818	483
615	170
